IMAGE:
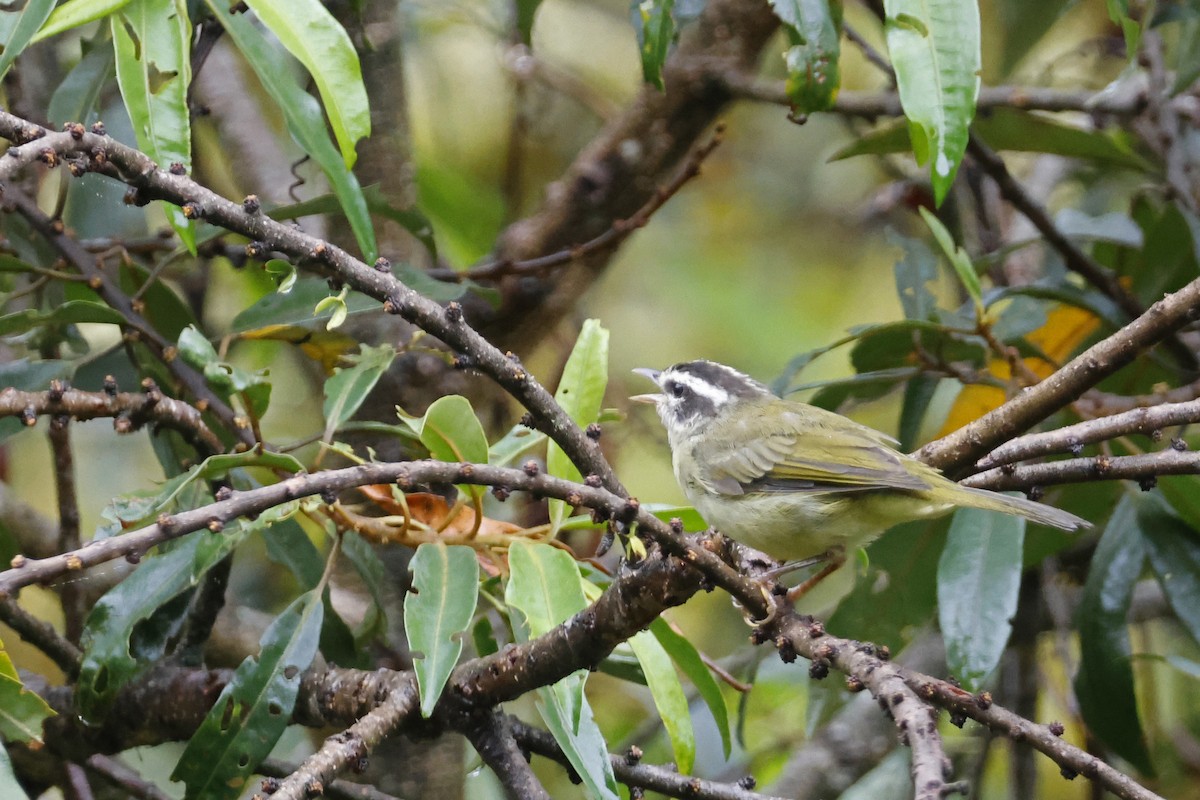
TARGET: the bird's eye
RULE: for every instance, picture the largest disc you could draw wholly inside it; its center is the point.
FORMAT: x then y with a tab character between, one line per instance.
676	389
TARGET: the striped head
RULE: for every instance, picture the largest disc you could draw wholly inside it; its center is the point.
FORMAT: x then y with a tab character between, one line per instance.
696	392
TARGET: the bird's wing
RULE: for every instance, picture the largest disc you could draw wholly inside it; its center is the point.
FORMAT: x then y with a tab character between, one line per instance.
814	452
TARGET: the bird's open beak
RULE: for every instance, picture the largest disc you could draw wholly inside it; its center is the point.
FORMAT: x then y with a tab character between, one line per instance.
652	374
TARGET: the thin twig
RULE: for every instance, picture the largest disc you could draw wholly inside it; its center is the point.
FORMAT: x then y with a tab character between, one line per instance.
1147	421
1144	467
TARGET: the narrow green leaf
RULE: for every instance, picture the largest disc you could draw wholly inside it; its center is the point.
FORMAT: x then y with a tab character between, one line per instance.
254	708
580	393
581	742
21	27
978	580
1173	547
1104	683
656	32
304	119
437	611
957	256
1018	131
76	97
74	13
687	658
152	41
361	554
545	587
935	50
526	10
71	312
289	545
22	712
348	387
814	30
914	272
668	696
1118	12
917	396
108	634
321	44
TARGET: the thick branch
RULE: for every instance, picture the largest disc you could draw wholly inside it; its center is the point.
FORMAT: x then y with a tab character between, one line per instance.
492	737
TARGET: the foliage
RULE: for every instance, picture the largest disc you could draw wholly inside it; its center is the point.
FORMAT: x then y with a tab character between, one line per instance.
329	377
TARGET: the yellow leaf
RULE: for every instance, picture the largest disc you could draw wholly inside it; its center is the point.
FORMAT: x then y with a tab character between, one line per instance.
326	347
1066	327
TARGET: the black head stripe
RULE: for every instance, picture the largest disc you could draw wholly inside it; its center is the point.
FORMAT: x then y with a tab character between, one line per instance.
729	380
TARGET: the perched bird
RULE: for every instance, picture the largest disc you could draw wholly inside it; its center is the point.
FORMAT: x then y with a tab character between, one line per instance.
796	481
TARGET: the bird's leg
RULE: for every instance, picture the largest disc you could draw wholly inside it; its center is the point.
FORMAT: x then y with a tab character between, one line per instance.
835	556
832	553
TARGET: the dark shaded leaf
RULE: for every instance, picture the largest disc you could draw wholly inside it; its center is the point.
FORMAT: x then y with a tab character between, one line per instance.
1104	683
979	578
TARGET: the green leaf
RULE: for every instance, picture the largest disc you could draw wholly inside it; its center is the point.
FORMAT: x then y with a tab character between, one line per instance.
1118	12
296	307
9	785
74	13
362	556
289	545
76	97
544	585
227	380
109	632
437	611
71	312
655	24
957	256
304	119
668	696
451	432
321	44
1104	683
526	11
580	393
935	50
917	395
914	273
22	712
1173	548
687	658
254	708
814	30
545	588
518	441
19	28
978	580
1018	131
348	387
152	41
412	219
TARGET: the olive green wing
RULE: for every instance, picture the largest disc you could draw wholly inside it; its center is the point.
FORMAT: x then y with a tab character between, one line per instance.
815	452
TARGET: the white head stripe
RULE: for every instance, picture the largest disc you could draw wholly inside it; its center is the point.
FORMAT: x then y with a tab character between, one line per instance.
701	387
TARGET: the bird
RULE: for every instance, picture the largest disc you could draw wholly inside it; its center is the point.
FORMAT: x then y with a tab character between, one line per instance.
798	482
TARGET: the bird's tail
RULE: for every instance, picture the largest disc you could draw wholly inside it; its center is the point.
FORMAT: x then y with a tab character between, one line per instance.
1035	512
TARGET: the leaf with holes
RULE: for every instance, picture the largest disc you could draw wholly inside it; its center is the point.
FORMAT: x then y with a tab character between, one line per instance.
437	612
813	29
153	45
129	627
254	708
